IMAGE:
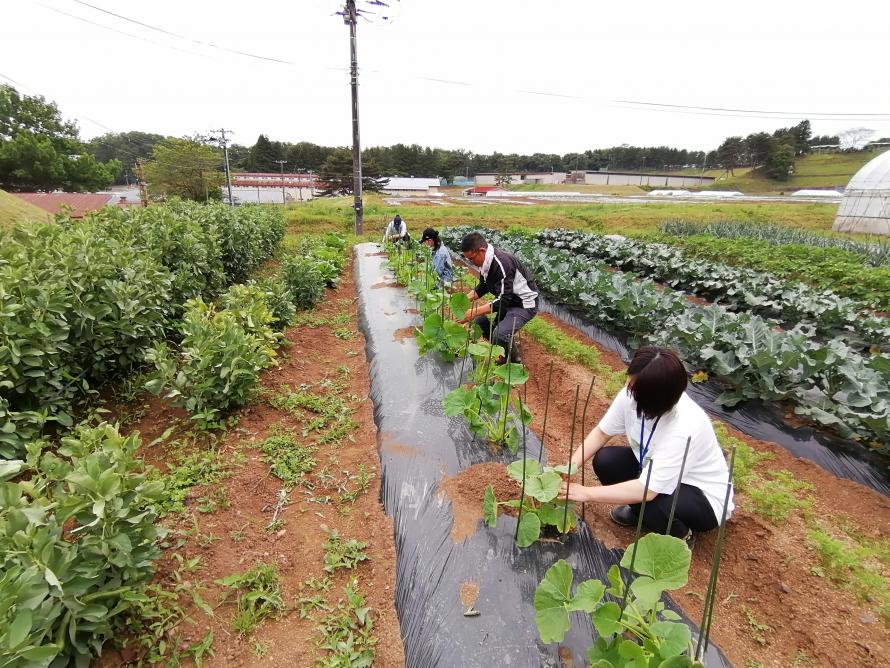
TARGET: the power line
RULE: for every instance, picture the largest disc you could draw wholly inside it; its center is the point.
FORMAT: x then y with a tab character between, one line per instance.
750	111
170	33
654	106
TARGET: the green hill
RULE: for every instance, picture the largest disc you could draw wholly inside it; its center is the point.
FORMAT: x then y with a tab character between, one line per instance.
817	170
15	210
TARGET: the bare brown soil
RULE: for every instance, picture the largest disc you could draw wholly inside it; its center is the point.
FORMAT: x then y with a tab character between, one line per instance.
466	491
769	574
403	333
234	539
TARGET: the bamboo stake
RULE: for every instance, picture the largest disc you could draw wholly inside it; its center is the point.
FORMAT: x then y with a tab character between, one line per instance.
546	409
565	512
639	531
583	438
679	482
524	462
711	594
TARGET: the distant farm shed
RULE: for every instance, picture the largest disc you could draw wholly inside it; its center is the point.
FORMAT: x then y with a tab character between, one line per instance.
409	185
865	207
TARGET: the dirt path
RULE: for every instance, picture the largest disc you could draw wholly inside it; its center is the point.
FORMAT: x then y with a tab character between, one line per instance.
329	361
769	577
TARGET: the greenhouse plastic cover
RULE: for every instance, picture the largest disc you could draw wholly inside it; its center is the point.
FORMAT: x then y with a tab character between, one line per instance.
866	204
418	446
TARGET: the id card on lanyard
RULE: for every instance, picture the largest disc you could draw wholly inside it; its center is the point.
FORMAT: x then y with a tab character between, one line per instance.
645	448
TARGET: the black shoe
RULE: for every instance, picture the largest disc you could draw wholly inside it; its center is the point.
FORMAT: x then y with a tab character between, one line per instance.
689	539
515	354
624	516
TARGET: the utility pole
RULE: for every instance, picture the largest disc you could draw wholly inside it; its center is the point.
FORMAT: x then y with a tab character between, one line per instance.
225	147
349	17
140	177
282	163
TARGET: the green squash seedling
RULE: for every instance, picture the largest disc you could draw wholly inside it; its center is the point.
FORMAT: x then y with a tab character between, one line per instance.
646	633
540	506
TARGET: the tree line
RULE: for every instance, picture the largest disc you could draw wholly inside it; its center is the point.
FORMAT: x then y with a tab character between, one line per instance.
39	150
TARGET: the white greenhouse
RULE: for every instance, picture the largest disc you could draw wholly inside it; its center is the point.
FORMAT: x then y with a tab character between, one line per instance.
866	204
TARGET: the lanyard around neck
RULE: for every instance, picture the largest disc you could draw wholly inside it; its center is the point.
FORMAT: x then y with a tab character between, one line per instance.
644	450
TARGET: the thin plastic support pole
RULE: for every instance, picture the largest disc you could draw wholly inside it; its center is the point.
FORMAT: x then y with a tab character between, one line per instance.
463	364
524	462
679	482
509	369
487	369
546	410
711	594
583	438
565	511
639	531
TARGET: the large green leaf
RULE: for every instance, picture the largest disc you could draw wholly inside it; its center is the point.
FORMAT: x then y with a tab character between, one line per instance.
529	529
662	563
544	487
459	400
605	619
459	304
532	469
588	594
490	507
673	637
512	373
551	602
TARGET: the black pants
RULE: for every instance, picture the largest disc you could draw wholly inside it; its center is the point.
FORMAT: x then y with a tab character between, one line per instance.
509	320
617	464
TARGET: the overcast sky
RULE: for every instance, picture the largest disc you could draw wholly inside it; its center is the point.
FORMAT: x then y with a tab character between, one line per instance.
527	76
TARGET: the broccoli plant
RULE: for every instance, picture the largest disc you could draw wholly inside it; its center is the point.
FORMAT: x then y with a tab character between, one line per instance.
539	505
645	632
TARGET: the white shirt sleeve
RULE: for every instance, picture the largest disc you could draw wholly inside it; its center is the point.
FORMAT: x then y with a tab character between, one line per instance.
613	421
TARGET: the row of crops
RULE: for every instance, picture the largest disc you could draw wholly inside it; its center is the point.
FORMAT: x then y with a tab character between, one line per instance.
834	374
638	631
166	290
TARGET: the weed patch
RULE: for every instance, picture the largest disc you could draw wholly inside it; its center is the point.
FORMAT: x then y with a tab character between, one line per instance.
259	596
775	499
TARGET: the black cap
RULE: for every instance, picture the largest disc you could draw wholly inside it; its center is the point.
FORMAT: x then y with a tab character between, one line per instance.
429	233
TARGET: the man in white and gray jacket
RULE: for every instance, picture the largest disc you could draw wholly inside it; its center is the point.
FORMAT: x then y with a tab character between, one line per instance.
515	291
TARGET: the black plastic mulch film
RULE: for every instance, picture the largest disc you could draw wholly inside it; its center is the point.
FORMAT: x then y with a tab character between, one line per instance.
418	446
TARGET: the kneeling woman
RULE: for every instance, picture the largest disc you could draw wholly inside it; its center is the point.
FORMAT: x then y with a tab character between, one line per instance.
654	408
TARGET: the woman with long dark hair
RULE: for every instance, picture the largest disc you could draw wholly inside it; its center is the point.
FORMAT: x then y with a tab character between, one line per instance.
657	416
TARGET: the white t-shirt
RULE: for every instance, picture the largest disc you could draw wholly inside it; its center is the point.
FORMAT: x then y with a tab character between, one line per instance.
705	465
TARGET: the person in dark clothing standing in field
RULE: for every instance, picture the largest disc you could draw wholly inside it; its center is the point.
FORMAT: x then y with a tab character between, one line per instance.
515	291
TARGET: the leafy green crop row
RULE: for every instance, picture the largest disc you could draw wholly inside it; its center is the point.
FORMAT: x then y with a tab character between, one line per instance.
78	538
739	289
827	268
82	301
225	346
829	381
876	253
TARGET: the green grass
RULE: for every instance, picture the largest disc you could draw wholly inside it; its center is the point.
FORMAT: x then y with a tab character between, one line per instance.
340	553
565	347
632	219
746	457
192	466
859	565
817	170
14	210
777	498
